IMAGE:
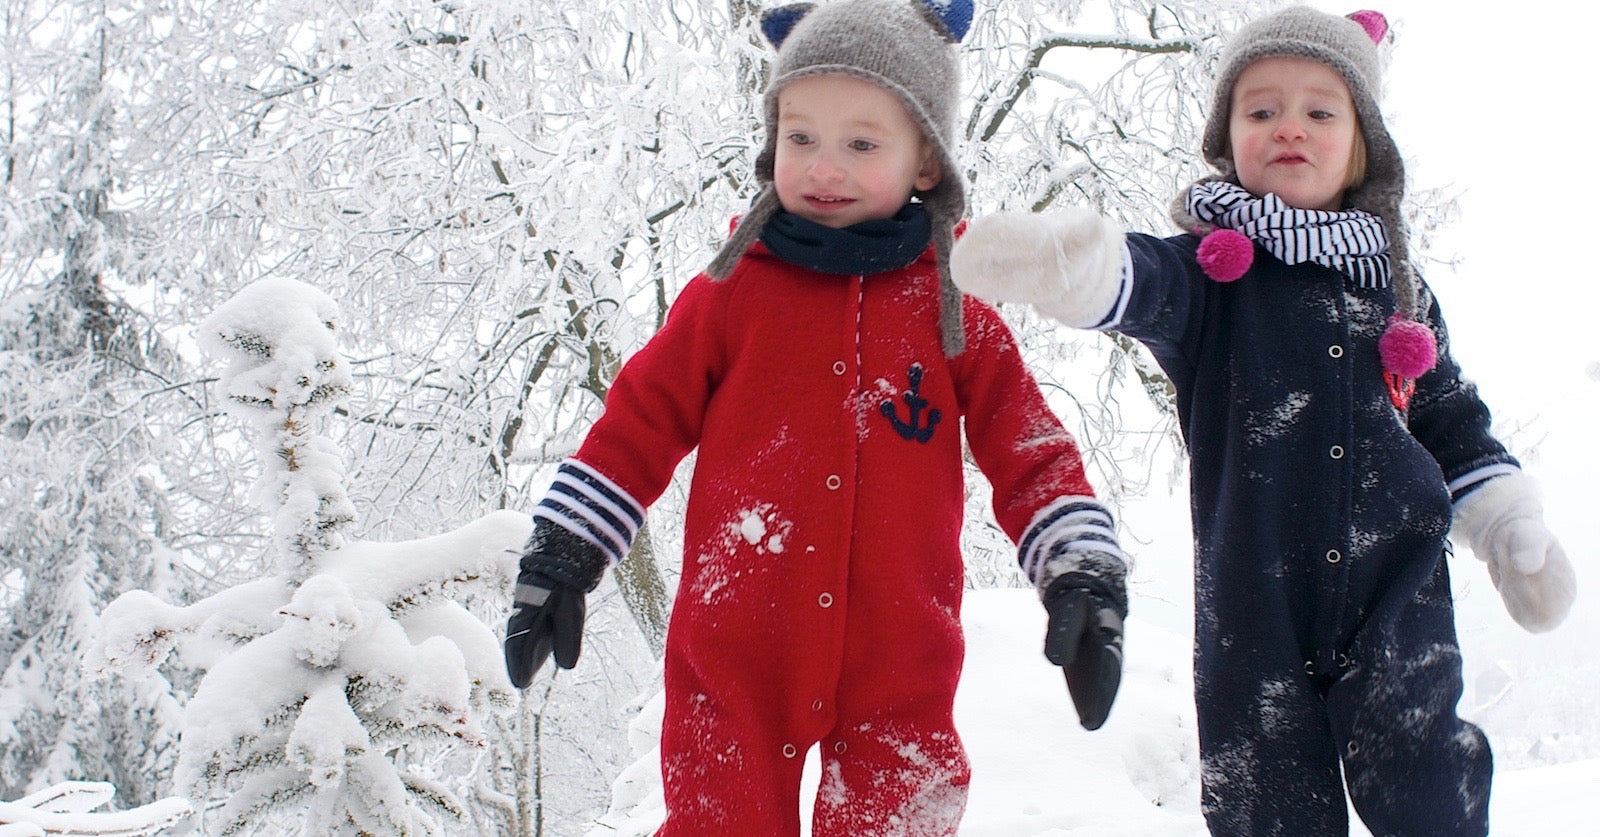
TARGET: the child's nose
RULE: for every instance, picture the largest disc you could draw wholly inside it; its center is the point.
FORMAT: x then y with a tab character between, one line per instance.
1290	129
825	166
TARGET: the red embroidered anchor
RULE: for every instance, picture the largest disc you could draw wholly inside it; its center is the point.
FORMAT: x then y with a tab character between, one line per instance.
1400	390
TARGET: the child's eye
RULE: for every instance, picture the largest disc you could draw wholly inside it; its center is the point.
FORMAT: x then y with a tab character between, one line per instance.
798	138
1321	115
862	145
1259	114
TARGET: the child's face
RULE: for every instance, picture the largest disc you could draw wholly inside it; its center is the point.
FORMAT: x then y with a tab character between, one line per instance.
847	151
1291	129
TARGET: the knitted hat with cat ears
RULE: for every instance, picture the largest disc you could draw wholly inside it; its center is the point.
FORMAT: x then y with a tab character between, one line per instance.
907	47
1349	46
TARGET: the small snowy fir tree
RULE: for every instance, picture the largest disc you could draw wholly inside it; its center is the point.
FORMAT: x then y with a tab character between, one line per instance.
337	689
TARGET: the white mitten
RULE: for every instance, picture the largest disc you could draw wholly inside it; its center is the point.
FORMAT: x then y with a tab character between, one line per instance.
1067	263
1503	524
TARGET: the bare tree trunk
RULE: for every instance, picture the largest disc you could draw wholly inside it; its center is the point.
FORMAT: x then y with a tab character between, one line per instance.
645	591
530	778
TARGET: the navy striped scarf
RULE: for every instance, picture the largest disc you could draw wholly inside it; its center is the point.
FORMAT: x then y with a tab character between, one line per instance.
1352	242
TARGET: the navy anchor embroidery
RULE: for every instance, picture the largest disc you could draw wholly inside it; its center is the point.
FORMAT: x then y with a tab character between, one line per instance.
915	403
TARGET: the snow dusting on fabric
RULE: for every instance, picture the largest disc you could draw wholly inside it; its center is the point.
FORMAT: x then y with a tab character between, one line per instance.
1279	420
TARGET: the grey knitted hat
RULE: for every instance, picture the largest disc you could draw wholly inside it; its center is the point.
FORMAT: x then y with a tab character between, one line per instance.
1348	45
904	46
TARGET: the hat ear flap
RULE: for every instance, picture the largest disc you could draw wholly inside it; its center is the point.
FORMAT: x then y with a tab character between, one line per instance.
1375	23
776	24
956	15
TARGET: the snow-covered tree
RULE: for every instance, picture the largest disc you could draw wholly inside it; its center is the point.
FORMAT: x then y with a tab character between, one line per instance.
82	500
339	689
111	116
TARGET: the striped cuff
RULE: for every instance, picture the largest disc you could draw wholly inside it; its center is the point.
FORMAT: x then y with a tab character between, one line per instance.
588	504
1470	481
1070	524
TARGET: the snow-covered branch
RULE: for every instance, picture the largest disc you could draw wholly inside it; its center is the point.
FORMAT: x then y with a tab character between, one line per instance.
1031	69
67	809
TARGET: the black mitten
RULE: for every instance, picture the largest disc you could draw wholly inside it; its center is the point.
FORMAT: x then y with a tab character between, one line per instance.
1084	637
558	570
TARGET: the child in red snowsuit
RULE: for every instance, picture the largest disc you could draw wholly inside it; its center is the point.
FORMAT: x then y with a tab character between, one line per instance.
824	372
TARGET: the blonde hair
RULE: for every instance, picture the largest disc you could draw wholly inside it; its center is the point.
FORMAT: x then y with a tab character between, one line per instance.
1357	173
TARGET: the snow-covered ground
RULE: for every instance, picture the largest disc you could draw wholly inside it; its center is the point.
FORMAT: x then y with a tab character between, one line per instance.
1036	773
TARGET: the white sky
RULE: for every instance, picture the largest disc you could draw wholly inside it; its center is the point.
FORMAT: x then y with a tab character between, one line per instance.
1481	103
1494	104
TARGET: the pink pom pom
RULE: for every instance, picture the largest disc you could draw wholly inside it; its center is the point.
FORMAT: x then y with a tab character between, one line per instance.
1225	255
1374	22
1407	347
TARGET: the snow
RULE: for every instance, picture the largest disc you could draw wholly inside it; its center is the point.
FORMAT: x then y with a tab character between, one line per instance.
68	808
296	321
1036	772
763	529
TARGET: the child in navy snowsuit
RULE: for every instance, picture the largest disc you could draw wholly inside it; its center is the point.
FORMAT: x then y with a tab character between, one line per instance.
1333	444
824	367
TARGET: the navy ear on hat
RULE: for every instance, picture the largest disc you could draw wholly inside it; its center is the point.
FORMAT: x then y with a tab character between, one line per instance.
777	23
956	15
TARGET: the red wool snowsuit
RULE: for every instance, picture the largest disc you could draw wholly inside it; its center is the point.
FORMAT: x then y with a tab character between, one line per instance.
822	580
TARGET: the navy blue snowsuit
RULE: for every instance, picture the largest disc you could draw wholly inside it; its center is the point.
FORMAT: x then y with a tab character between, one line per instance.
1324	629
